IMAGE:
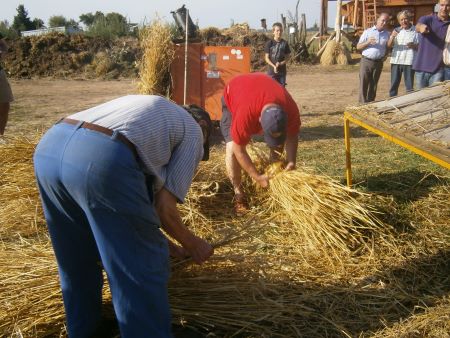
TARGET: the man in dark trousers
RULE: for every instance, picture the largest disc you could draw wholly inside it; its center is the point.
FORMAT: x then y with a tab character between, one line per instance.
109	177
252	104
276	54
372	43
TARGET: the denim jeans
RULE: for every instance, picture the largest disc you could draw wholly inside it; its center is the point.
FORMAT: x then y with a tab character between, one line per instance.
447	73
280	78
396	77
99	213
424	79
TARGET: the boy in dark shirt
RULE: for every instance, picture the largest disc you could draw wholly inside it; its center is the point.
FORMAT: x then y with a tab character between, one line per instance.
276	54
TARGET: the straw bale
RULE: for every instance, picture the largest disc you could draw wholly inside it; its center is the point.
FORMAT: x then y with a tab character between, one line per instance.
335	53
157	56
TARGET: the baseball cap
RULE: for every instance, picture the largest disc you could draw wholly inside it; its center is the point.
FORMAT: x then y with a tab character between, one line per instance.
274	122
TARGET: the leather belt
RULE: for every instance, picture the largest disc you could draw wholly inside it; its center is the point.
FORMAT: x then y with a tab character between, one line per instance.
374	60
103	130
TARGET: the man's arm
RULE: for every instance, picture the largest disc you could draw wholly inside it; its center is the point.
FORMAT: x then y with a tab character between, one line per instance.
246	163
291	151
267	59
166	206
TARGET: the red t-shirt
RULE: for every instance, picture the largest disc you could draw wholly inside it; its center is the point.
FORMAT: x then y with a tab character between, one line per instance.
246	95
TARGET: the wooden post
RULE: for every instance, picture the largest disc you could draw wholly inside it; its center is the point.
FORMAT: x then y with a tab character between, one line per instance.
337	24
355	14
323	20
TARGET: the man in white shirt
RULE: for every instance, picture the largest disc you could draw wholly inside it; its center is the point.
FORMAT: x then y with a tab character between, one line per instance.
109	177
405	41
373	44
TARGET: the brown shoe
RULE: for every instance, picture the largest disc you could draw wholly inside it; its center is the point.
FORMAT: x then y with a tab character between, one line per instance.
240	205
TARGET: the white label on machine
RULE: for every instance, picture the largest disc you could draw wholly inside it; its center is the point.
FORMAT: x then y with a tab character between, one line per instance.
238	52
239	57
233	51
204	57
226	57
212	74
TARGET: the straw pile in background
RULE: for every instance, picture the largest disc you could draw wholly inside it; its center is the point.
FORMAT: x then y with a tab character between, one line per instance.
335	53
265	278
157	55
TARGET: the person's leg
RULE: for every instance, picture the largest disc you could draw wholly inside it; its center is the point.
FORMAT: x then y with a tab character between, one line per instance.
446	73
364	79
115	197
4	110
73	243
421	79
396	76
6	97
408	75
377	68
436	77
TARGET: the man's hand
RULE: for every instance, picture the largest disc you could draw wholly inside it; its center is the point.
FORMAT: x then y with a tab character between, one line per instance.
199	249
372	40
263	181
275	68
290	166
422	28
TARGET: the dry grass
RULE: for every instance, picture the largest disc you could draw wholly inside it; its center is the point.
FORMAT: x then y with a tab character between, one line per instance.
335	53
157	55
267	278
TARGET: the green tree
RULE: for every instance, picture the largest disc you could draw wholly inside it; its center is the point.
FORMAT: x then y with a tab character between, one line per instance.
6	30
57	21
21	21
38	23
88	19
108	26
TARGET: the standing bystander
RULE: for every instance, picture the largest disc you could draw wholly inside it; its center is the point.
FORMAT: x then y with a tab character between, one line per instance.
6	96
404	40
373	44
276	55
428	65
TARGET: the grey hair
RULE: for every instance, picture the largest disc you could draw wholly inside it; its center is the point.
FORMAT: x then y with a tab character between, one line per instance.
406	13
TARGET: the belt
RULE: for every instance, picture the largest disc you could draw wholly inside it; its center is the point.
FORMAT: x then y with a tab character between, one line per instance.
374	60
103	130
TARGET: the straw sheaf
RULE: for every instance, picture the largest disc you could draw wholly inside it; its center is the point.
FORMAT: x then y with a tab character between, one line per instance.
335	53
157	56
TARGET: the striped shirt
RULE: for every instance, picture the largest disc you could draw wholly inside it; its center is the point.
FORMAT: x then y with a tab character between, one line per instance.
378	50
168	140
401	54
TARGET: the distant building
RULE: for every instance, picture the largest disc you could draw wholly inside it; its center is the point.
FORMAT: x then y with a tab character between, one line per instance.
43	31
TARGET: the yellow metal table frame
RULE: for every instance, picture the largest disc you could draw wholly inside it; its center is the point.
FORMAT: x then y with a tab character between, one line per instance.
348	117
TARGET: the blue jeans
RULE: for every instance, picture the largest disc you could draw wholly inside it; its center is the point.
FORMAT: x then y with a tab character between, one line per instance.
99	213
396	77
424	79
280	78
447	73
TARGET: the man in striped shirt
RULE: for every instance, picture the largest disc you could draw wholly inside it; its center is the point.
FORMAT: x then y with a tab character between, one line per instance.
405	40
109	177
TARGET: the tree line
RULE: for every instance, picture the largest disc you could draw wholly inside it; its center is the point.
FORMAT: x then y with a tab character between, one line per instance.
108	25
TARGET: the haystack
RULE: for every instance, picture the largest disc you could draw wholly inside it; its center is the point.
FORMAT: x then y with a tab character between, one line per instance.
335	53
157	56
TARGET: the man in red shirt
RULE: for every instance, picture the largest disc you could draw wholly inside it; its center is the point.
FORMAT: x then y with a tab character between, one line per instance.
253	104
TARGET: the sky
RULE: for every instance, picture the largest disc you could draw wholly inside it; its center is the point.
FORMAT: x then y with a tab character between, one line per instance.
217	13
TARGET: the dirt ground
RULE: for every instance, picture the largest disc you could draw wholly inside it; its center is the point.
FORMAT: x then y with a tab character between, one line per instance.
321	92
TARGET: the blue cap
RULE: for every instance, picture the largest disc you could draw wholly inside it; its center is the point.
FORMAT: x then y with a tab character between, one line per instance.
274	124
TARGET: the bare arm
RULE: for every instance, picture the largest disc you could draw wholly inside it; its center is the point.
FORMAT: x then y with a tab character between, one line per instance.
246	163
166	206
363	45
291	151
267	59
391	40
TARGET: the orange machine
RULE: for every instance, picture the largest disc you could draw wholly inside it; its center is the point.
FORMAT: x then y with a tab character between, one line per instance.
209	68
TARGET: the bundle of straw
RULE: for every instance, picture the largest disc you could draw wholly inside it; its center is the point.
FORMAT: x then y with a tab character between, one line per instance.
335	53
21	208
157	56
325	214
